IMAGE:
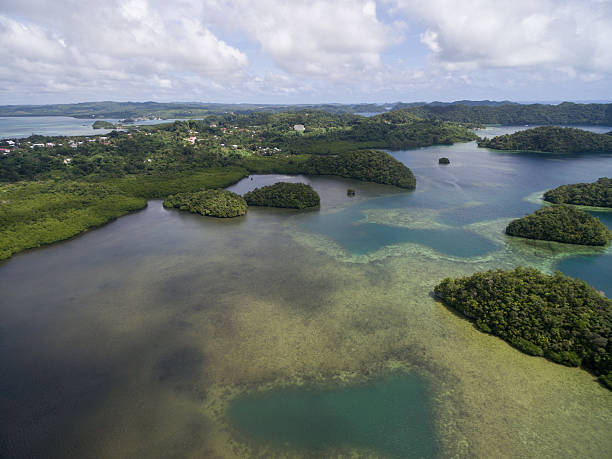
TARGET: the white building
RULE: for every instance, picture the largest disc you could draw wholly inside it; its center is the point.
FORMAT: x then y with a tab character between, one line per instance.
299	127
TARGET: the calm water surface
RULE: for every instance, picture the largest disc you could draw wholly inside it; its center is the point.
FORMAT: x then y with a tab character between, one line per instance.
16	127
165	334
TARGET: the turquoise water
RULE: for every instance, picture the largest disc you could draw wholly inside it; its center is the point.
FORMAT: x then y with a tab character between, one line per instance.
595	269
25	126
362	238
391	416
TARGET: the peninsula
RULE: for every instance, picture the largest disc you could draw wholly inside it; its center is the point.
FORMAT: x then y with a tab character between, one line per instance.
551	139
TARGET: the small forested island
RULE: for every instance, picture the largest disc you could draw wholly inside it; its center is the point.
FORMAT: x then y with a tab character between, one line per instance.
366	165
551	139
212	203
597	194
561	223
289	195
443	161
99	124
560	318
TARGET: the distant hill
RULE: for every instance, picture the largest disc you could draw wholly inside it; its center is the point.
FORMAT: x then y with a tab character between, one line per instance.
463	111
551	139
473	103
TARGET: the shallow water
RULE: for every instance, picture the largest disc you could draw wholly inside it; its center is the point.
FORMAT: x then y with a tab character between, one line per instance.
141	338
389	416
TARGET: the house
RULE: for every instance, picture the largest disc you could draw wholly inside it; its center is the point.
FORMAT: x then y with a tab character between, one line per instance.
67	160
299	127
10	142
5	151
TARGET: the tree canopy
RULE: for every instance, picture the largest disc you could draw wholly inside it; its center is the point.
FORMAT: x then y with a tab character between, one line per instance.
551	139
213	203
598	194
560	318
281	194
561	223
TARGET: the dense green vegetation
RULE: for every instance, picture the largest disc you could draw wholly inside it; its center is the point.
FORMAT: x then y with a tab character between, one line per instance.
102	125
597	194
222	140
367	165
37	213
188	156
33	214
290	195
156	186
561	223
464	111
562	319
551	139
567	113
213	203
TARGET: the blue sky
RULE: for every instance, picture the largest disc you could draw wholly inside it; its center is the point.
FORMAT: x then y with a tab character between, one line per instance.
274	51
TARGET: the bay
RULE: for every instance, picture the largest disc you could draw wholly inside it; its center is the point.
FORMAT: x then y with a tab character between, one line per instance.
170	334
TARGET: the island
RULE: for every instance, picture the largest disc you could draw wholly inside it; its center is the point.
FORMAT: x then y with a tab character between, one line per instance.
597	194
366	165
100	124
212	203
443	161
154	162
461	111
281	194
557	317
561	223
551	139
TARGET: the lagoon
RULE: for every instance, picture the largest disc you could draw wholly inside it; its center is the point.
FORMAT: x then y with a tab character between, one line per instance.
171	334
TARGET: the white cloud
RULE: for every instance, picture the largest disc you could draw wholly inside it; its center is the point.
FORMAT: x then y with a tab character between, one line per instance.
572	36
290	50
135	43
316	38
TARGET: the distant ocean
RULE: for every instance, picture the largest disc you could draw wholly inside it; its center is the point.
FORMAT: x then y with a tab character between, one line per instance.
24	126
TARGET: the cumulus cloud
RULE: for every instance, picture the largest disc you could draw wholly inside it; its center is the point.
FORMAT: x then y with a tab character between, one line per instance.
278	50
314	38
571	36
112	43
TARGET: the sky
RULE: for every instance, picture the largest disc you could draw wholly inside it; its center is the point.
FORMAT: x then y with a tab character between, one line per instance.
315	51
